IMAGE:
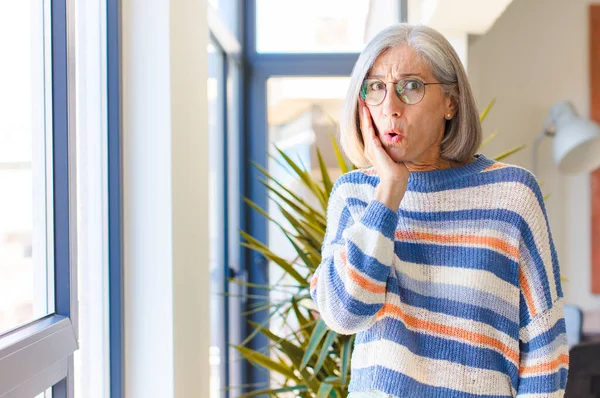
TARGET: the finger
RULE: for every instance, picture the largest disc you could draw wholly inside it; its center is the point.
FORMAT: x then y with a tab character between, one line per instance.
368	125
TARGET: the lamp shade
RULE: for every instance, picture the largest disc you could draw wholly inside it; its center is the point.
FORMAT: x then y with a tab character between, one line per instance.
576	141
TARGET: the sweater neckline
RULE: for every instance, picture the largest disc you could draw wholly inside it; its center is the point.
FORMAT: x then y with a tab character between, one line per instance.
432	178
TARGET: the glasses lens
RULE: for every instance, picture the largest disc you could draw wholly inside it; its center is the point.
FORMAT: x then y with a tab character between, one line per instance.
372	91
410	91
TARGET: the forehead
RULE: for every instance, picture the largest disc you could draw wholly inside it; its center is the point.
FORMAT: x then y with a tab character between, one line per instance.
399	60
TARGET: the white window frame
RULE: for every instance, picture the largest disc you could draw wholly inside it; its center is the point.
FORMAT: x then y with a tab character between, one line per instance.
39	355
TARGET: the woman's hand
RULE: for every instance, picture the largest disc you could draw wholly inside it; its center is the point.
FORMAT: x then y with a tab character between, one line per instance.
393	177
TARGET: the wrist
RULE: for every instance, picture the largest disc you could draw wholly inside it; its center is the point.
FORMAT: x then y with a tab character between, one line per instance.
390	194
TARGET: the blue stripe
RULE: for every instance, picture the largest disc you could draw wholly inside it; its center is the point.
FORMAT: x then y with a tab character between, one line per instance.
345	221
460	294
545	338
507	174
493	215
544	384
461	257
435	347
398	384
366	264
344	298
457	309
380	218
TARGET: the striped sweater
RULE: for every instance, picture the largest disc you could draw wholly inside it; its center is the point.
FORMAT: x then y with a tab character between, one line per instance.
456	294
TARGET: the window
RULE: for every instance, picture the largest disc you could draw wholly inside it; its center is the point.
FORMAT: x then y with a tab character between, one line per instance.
25	167
216	215
302	114
37	215
225	98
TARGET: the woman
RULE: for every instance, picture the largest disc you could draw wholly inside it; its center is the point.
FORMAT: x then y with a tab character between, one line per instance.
438	258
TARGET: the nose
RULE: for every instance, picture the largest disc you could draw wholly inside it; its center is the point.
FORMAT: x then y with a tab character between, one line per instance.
392	106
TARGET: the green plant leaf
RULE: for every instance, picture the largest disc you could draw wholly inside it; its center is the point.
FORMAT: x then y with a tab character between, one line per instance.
324	390
274	391
331	336
266	362
338	155
488	139
293	352
317	335
308	208
262	212
487	110
303	255
324	173
508	153
346	352
306	179
254	244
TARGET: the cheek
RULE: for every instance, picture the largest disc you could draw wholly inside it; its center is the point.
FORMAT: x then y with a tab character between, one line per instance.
376	116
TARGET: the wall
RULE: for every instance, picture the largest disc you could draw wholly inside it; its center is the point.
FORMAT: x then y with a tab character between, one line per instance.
165	199
533	56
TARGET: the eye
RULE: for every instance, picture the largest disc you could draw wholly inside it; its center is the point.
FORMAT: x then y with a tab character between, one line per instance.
376	85
413	85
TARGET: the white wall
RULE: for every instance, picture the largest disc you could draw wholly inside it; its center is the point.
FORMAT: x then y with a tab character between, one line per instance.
535	55
165	204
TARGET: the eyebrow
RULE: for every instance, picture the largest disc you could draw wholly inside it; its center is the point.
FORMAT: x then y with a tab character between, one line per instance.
401	75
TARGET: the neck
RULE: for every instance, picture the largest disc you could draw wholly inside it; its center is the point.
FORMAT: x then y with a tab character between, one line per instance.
437	163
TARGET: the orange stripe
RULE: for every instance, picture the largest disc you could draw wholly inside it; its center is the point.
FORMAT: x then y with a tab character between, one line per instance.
313	282
527	293
545	367
452	331
495	243
495	166
359	279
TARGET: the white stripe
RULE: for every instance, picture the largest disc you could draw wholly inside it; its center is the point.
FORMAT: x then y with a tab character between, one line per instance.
473	278
434	372
543	322
439	318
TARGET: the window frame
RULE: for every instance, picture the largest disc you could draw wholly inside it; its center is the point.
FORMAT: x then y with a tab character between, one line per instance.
38	355
227	43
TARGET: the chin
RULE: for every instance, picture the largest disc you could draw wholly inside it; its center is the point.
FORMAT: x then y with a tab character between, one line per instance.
398	154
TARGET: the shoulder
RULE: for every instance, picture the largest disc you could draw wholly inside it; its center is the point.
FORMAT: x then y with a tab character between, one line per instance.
356	179
518	175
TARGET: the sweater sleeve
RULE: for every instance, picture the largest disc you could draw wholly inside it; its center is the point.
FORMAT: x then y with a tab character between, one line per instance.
349	286
544	355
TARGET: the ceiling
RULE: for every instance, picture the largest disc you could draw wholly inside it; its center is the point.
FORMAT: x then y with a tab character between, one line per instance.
469	16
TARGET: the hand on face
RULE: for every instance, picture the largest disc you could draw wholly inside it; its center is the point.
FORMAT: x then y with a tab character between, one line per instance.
387	169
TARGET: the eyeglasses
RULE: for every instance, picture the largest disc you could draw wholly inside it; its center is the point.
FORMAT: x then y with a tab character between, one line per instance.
411	92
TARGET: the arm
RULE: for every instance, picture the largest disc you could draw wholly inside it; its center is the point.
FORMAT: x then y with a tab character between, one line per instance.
349	286
544	360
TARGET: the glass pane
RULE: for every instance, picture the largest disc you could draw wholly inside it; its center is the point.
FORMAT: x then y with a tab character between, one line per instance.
302	114
24	128
228	12
45	394
234	93
320	26
217	240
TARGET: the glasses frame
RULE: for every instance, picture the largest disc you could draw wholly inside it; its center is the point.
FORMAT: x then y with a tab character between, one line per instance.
425	84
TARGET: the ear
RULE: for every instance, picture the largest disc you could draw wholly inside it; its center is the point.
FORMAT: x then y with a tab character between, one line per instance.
451	106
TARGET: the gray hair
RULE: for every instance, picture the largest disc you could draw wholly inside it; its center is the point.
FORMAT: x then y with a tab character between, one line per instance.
462	136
